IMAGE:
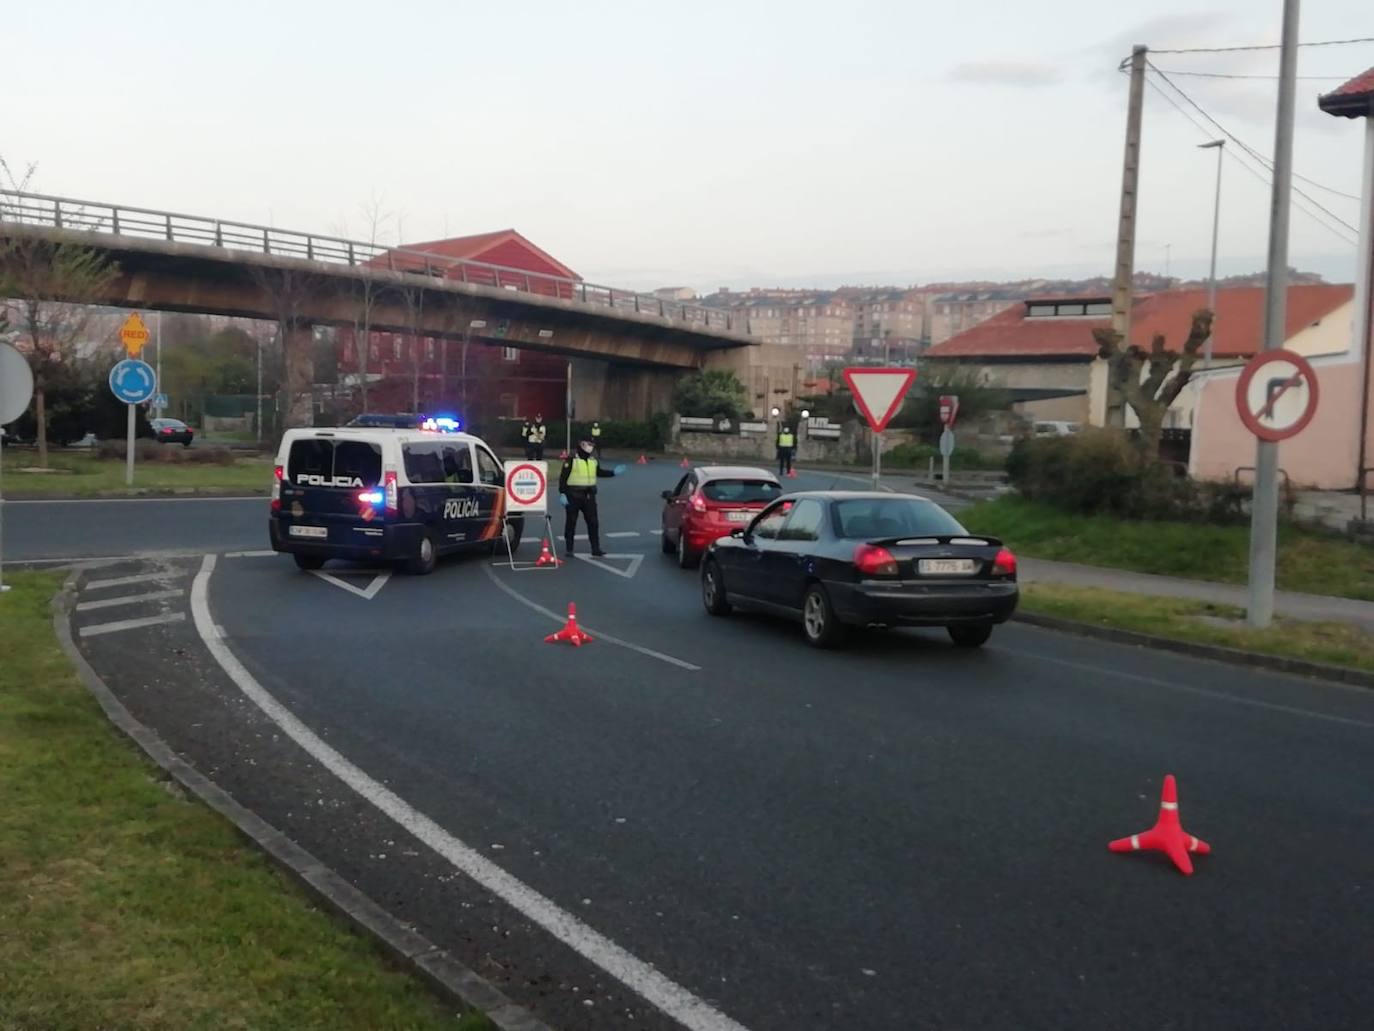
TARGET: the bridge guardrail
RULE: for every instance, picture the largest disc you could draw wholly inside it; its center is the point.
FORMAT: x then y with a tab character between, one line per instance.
122	220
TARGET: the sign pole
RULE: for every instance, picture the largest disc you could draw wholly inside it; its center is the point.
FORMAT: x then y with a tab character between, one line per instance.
1264	505
877	460
944	465
3	586
129	452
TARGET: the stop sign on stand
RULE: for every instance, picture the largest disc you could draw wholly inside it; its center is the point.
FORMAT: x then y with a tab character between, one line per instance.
878	394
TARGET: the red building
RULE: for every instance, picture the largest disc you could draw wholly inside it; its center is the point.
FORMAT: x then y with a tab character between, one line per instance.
480	380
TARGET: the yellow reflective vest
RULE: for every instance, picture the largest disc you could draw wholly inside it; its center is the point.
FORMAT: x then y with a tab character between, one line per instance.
582	472
785	439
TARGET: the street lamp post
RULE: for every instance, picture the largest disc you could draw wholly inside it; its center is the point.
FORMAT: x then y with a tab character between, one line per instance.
1219	146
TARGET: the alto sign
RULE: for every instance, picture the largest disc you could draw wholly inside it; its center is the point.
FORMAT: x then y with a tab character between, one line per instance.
527	486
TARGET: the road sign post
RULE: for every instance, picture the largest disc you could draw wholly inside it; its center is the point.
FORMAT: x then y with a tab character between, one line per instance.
878	394
949	411
16	389
133	382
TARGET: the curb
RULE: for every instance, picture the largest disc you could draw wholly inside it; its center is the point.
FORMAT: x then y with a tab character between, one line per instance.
409	949
244	493
1233	656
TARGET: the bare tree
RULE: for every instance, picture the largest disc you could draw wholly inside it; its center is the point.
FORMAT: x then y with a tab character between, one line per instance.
412	294
289	290
369	287
1151	381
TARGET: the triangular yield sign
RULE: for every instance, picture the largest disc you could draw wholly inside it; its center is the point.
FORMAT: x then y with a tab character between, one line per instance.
879	392
366	593
628	572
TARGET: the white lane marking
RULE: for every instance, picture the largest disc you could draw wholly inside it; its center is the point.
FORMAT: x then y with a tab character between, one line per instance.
366	593
250	554
78	560
627	572
123	501
673	999
127	599
656	533
1257	703
598	634
623	533
141	578
130	624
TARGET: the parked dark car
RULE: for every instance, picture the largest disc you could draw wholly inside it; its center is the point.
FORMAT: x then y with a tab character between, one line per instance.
842	559
709	502
171	431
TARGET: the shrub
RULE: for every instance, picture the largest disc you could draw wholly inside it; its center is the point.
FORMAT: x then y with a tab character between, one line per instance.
166	454
712	394
918	456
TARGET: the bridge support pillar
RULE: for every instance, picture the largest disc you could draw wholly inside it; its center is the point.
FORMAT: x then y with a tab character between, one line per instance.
299	387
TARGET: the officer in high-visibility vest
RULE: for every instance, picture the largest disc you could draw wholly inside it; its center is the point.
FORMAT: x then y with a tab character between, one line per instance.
787	447
577	485
596	438
527	436
537	434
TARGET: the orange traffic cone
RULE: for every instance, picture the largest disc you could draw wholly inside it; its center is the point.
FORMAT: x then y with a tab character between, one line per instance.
642	461
684	464
546	557
1167	835
571	631
791	474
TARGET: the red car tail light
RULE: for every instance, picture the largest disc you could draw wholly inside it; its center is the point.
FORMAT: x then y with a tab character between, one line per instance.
1004	564
872	560
392	498
698	502
276	488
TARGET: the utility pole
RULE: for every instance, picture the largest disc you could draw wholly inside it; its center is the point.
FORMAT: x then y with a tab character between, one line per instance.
1125	230
1220	146
158	331
1264	504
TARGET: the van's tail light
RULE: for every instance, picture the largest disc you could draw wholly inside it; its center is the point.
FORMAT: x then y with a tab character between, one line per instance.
871	560
698	501
276	487
389	482
1004	564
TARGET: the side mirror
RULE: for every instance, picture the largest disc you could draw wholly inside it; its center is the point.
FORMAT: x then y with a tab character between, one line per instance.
738	534
666	495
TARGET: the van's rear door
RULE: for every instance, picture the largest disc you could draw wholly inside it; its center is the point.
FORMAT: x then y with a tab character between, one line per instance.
321	484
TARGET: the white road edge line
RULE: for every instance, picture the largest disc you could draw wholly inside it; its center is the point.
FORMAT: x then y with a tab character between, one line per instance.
141	578
624	533
250	554
130	624
127	599
599	635
668	996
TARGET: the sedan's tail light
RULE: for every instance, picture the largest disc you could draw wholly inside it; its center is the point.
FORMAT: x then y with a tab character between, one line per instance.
276	488
698	502
872	560
392	499
1004	564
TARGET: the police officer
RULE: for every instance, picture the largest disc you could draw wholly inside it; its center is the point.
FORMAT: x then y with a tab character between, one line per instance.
537	434
577	485
787	447
596	439
527	436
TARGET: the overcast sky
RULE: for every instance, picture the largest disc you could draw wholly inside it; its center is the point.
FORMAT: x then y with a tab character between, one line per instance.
705	143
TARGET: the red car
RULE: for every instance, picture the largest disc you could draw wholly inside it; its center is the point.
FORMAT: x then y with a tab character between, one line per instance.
712	501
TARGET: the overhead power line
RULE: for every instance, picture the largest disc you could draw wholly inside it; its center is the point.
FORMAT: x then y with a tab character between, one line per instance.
1262	159
1264	46
1225	75
1261	175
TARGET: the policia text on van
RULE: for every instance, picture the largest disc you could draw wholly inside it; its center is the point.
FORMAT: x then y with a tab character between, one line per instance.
376	493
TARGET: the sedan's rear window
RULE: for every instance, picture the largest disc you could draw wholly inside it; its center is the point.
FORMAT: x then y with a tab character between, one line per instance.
869	518
329	463
741	492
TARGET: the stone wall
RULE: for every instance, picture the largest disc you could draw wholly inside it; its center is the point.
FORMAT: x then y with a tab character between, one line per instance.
854	446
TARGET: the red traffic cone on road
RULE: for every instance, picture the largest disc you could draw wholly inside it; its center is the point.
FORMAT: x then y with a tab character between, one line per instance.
546	557
571	631
791	474
684	464
641	461
1167	835
563	455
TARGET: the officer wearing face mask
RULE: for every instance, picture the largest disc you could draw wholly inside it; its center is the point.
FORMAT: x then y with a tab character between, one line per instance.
577	485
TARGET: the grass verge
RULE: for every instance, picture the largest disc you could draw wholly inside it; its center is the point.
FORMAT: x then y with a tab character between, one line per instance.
124	905
88	475
1308	561
1339	644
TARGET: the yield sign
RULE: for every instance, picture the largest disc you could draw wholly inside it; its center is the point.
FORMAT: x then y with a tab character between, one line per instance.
879	392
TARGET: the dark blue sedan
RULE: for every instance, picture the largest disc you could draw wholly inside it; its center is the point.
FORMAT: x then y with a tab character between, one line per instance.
842	559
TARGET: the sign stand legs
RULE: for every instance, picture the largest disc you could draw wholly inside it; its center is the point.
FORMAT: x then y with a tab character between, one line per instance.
521	567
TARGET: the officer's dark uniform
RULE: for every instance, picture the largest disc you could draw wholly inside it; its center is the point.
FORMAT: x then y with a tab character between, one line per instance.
537	434
527	435
787	447
596	439
577	483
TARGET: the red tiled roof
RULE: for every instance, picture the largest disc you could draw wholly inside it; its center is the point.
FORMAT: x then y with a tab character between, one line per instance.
1353	99
503	247
1239	324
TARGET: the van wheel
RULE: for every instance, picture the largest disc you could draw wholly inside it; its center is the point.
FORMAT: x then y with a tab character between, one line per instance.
426	557
510	533
966	636
308	562
819	622
665	543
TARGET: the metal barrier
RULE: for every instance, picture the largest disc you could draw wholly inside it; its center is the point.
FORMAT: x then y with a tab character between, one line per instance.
121	220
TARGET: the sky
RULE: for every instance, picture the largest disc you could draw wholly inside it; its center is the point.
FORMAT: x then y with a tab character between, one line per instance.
706	144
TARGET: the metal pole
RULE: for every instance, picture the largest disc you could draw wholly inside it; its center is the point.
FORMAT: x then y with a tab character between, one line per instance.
877	460
1219	145
1124	276
1364	313
129	451
158	331
258	337
3	586
568	407
1264	505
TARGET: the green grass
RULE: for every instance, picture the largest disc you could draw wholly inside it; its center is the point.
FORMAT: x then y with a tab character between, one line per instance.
124	905
88	474
1309	561
1339	644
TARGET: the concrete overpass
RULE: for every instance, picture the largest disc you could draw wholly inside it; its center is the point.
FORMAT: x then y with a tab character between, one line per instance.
188	263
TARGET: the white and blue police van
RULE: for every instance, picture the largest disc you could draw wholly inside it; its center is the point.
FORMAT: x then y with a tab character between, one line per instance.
388	488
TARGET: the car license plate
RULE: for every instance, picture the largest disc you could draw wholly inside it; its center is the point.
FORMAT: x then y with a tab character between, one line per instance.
738	517
315	532
946	566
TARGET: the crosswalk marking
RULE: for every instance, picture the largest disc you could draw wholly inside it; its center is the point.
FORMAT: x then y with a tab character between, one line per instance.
130	624
127	599
141	578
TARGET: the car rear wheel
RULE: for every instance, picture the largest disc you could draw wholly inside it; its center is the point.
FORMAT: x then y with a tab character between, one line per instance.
713	589
970	636
308	561
426	557
819	622
665	543
686	558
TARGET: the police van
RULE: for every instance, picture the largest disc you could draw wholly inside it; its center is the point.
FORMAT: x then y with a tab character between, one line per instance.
388	489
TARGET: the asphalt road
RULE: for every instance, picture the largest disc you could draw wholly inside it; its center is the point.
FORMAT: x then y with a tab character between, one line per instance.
899	835
41	530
